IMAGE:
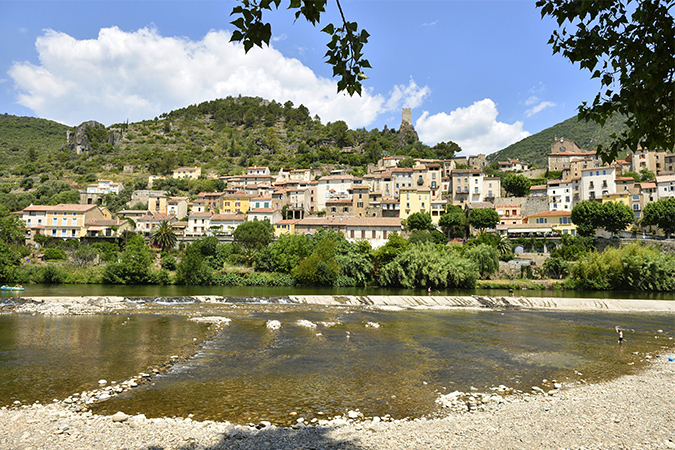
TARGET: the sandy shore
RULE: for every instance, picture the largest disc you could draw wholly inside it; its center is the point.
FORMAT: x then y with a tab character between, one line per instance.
632	412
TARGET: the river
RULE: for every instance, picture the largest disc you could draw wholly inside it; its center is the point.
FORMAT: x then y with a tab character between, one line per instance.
379	362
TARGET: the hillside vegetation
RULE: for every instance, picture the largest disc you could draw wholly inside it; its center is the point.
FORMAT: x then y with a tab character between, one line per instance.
223	137
535	149
18	135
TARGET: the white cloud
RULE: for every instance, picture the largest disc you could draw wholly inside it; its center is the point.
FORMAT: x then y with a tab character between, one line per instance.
538	108
410	96
475	128
430	24
532	100
138	75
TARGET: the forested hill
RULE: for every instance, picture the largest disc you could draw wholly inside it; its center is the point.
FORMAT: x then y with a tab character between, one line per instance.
225	136
534	149
19	134
222	136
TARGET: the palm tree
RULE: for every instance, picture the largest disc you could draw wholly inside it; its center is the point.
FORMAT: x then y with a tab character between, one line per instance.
504	244
163	236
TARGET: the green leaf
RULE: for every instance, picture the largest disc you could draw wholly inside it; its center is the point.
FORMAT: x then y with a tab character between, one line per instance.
330	29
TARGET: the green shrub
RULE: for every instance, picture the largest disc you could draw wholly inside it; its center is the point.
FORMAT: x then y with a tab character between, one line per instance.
632	267
228	279
169	263
486	258
52	275
54	254
556	267
162	277
343	281
426	265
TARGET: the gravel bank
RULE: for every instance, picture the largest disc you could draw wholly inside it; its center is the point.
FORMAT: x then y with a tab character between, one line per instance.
632	412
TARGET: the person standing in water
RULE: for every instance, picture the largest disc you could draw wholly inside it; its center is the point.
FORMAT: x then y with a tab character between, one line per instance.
618	330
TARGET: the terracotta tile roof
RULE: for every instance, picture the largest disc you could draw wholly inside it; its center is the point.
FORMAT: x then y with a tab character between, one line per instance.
551	214
351	221
202	215
571	154
337	177
262	211
235	217
240	195
61	208
105	222
465	171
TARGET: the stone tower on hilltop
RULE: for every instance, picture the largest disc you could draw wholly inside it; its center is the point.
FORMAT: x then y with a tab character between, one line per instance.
407	134
407	116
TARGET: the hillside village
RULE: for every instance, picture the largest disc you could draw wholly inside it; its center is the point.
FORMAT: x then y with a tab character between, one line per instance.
368	207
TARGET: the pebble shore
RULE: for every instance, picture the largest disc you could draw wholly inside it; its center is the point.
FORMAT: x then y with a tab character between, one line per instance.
632	412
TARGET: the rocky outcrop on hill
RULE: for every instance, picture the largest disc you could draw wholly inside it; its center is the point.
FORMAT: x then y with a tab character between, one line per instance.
407	134
79	141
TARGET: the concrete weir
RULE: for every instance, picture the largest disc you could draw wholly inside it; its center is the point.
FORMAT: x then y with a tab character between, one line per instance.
476	301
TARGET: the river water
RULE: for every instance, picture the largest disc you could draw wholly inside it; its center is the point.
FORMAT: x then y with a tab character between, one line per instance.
322	361
102	290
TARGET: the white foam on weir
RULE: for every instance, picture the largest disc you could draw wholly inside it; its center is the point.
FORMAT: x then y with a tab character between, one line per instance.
435	302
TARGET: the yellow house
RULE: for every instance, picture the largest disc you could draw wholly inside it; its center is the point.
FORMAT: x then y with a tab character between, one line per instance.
285	226
65	221
622	197
192	173
414	200
239	202
557	221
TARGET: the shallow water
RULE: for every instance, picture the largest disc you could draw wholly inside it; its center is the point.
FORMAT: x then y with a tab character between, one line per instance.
248	373
51	357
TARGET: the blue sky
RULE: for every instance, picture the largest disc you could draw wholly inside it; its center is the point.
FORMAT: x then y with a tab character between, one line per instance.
479	73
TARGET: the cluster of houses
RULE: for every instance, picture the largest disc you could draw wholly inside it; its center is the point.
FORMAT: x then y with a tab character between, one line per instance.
370	207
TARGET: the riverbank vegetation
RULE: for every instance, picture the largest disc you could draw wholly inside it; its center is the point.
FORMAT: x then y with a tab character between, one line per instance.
418	259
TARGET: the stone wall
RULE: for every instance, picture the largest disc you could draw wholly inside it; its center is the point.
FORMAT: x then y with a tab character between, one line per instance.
528	205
